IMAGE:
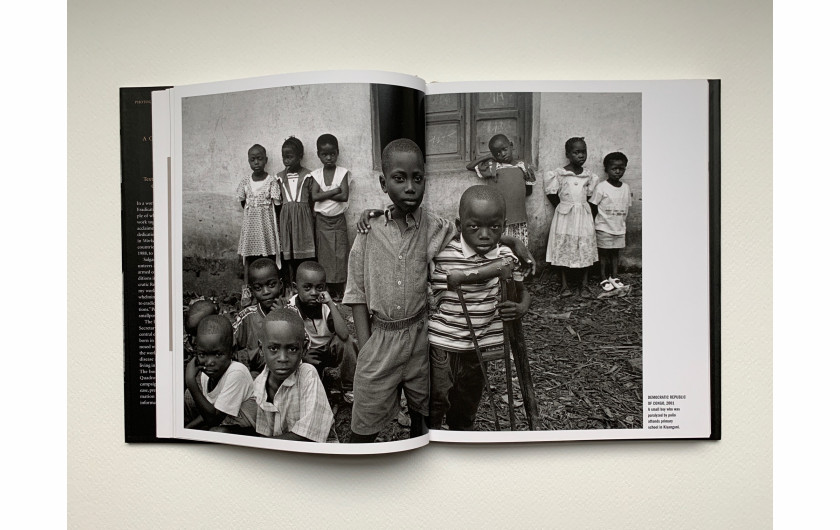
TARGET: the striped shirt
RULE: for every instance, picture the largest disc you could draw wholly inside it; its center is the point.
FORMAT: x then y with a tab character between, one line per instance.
448	328
299	406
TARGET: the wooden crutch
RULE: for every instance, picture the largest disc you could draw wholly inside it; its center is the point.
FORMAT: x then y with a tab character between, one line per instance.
513	337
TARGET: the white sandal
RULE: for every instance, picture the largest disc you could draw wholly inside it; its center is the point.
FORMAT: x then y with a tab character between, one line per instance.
607	285
616	283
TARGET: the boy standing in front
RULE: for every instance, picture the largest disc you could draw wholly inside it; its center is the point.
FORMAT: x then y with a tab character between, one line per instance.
386	289
457	381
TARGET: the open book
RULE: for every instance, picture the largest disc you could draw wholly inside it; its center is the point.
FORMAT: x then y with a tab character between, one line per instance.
611	325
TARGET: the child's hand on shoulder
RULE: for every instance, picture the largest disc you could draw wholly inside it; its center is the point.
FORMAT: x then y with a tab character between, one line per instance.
363	226
511	310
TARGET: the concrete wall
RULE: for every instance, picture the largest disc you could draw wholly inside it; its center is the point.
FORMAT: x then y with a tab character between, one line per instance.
219	129
609	122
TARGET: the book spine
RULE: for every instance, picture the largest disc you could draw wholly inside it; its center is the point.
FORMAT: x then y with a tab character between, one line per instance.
138	263
714	251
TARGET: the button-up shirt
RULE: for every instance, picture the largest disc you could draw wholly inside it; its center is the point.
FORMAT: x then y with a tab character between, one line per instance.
388	267
299	406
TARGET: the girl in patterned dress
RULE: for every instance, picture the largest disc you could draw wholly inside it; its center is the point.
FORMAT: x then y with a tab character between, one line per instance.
294	222
260	198
571	239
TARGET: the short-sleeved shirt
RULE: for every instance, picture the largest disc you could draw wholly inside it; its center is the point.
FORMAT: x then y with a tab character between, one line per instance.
318	329
248	330
388	269
300	406
233	391
448	329
330	207
613	204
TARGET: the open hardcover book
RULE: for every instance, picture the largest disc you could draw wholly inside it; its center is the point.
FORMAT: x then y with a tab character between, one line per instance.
361	262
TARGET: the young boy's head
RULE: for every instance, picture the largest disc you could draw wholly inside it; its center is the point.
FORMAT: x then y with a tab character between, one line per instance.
327	146
310	281
404	174
285	343
615	164
292	152
196	314
264	282
501	149
481	218
257	158
214	345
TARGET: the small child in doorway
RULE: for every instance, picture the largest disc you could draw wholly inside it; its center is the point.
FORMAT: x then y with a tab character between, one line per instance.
294	222
291	402
514	179
330	190
267	288
330	343
571	238
457	381
260	198
220	392
610	203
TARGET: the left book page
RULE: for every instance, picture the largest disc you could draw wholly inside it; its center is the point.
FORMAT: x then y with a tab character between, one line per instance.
259	185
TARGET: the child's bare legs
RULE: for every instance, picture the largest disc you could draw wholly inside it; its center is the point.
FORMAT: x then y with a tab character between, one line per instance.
564	283
615	257
584	279
603	256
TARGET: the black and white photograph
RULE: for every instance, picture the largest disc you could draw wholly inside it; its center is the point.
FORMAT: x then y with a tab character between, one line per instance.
292	197
569	168
274	181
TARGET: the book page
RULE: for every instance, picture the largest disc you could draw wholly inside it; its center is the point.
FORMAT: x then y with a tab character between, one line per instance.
616	343
268	177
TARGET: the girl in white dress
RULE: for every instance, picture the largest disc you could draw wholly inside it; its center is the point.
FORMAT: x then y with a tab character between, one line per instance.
571	239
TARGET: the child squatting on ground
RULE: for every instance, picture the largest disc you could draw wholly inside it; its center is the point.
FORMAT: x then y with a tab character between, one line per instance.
330	343
291	402
330	191
220	392
386	289
514	180
260	198
266	287
294	222
457	381
571	238
610	203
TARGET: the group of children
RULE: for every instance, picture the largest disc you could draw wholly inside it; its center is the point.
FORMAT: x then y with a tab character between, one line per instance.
406	287
296	215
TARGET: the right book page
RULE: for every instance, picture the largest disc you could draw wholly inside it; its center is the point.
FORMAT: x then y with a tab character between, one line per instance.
612	338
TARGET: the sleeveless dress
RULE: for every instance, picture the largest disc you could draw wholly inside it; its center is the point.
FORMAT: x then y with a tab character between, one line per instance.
331	228
297	234
571	238
259	235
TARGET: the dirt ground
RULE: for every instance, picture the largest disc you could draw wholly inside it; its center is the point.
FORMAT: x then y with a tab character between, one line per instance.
586	363
585	356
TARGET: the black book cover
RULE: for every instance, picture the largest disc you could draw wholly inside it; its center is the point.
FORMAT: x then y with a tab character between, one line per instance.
138	263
